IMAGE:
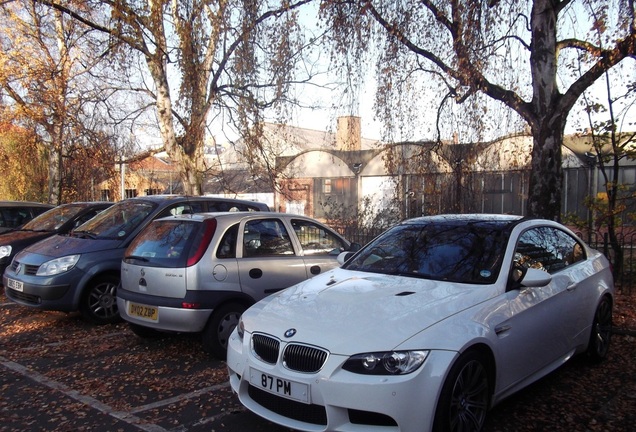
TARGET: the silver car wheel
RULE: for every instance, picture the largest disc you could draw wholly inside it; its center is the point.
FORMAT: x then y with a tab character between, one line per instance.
99	304
601	331
465	397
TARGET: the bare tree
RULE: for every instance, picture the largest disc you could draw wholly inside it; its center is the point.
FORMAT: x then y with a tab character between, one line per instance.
206	59
513	52
47	73
610	147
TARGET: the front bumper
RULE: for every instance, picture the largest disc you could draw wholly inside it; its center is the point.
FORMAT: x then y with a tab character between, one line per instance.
47	293
339	400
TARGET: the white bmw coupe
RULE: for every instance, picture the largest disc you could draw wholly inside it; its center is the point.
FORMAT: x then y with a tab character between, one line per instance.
426	328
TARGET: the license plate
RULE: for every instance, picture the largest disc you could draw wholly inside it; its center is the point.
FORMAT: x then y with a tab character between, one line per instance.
150	313
282	387
15	285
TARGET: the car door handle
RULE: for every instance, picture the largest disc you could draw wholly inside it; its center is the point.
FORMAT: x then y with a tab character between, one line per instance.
572	286
502	329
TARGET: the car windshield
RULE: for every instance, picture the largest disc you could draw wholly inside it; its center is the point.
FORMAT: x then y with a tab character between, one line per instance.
117	221
456	251
53	219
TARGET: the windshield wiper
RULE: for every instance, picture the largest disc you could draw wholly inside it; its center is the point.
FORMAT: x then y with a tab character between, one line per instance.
137	257
85	234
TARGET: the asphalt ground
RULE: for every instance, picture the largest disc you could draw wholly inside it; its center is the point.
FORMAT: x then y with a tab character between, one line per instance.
59	373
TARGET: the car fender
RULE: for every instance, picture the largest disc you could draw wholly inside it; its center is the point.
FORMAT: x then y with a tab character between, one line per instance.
110	266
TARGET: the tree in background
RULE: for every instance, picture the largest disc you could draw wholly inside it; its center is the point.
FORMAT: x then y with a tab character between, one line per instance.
610	146
512	52
49	75
23	163
206	59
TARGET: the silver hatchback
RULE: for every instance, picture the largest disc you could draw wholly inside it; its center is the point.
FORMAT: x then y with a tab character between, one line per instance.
198	273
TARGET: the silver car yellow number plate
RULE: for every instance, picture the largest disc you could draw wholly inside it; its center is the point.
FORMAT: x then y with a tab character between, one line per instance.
150	313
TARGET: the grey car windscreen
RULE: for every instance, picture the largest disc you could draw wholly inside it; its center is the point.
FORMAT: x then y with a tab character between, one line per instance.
53	219
465	253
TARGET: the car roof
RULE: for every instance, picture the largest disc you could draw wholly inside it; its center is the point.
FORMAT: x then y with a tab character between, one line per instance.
200	217
24	204
179	198
472	217
87	204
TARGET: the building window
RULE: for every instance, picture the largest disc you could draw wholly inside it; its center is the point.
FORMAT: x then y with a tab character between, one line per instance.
326	186
131	193
105	195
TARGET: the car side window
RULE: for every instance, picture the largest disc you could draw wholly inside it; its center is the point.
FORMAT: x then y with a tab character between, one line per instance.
266	237
86	217
316	240
227	247
14	217
547	248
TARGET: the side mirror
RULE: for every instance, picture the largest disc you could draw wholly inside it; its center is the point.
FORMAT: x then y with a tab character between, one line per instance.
534	278
344	256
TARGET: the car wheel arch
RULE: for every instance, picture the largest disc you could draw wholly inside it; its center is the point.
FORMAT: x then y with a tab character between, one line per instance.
210	334
85	289
593	349
485	357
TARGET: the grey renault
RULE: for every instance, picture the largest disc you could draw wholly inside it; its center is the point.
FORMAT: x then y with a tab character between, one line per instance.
81	270
198	273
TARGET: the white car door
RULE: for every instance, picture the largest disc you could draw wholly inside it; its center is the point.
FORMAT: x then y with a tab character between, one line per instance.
537	336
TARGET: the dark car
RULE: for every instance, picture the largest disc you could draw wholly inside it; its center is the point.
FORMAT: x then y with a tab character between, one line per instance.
14	214
59	220
81	271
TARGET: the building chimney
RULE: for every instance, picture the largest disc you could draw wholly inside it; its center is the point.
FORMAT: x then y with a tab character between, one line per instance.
349	135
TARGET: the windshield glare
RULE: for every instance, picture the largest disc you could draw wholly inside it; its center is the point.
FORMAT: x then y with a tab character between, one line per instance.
464	252
117	221
53	219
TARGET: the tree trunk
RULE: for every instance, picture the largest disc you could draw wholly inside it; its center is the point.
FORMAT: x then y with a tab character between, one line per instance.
544	194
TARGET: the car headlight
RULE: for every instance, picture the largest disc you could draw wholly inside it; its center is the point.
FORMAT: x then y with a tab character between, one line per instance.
5	251
386	363
58	265
240	328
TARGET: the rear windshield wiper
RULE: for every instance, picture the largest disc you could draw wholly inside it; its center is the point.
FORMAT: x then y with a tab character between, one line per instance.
137	257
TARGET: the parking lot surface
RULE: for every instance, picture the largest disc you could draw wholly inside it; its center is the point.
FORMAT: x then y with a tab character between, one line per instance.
59	373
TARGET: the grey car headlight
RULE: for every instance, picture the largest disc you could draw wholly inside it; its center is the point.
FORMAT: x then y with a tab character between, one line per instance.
386	363
5	251
58	265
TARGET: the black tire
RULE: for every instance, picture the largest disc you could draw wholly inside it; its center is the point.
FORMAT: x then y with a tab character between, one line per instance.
144	332
99	301
601	334
220	326
465	397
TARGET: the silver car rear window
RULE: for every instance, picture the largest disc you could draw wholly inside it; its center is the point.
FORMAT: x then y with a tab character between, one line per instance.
165	243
